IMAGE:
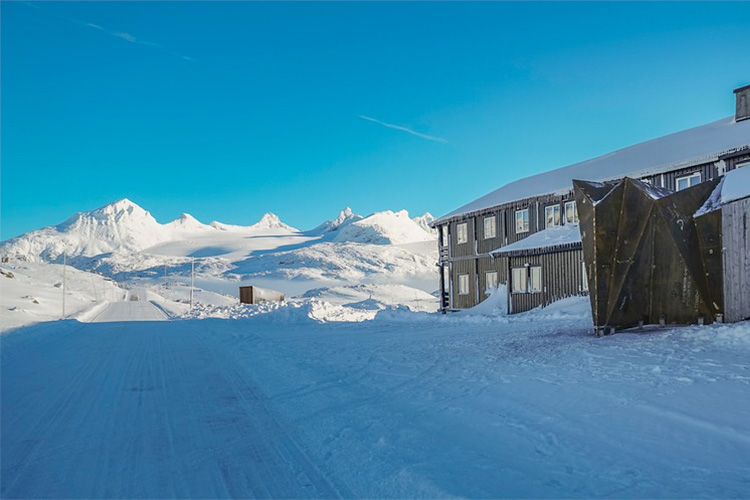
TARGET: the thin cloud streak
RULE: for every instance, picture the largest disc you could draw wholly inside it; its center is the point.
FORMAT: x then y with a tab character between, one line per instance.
117	34
404	129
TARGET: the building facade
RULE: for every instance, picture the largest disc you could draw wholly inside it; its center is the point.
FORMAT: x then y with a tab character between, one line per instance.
476	253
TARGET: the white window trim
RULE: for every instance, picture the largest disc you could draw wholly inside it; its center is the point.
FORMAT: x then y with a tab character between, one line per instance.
575	212
584	274
514	281
486	281
528	224
464	233
530	279
466	292
546	219
687	178
493	225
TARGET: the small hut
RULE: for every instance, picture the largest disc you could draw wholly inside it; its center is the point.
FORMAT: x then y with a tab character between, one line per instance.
256	295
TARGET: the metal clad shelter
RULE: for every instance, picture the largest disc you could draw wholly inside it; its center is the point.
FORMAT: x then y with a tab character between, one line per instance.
256	295
648	259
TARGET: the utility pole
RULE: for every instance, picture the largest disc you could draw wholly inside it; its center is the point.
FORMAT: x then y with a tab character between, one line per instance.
192	272
165	275
63	287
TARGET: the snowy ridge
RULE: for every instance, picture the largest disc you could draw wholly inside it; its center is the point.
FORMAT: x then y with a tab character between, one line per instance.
384	228
345	217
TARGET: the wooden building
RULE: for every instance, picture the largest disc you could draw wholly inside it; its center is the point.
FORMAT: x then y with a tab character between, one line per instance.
474	244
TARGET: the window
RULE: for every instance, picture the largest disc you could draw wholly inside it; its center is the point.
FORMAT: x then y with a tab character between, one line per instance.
519	280
742	164
552	215
522	221
489	227
444	234
535	284
490	280
688	181
462	233
463	284
571	212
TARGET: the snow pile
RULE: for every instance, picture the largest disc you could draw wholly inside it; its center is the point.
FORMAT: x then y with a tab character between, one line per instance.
384	228
288	312
494	305
376	297
568	235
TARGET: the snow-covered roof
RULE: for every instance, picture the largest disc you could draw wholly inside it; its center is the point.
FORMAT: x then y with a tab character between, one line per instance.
736	185
553	238
732	187
682	149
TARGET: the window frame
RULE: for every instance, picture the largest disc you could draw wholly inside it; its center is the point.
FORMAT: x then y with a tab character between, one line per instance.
575	212
555	208
585	276
461	278
493	226
486	281
535	270
524	275
460	233
687	178
525	221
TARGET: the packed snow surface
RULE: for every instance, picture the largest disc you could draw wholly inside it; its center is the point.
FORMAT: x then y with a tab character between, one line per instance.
567	234
687	147
408	405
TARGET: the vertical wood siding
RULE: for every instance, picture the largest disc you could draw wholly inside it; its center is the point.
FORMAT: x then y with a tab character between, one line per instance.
736	243
562	276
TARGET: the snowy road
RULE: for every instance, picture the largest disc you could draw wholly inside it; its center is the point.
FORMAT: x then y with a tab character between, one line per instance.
281	406
130	311
128	409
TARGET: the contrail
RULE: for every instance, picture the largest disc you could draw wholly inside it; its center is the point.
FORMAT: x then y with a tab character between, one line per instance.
404	129
117	34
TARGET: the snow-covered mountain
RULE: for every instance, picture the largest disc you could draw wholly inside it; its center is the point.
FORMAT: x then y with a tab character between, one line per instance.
384	228
125	242
344	218
424	222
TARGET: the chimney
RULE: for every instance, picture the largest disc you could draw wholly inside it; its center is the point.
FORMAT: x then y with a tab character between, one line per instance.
743	103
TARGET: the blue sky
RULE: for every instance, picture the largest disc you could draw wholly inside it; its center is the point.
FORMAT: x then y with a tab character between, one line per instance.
229	110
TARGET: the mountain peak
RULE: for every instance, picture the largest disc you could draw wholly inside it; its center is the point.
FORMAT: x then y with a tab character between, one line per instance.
345	217
271	221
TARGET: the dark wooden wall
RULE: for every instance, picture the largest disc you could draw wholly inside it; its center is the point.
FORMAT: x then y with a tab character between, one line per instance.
562	276
474	254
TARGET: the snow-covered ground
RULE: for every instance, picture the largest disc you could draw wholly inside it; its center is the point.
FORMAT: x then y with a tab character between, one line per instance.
32	291
407	405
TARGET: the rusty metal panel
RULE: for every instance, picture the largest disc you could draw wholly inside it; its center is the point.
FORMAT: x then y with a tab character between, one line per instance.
646	255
